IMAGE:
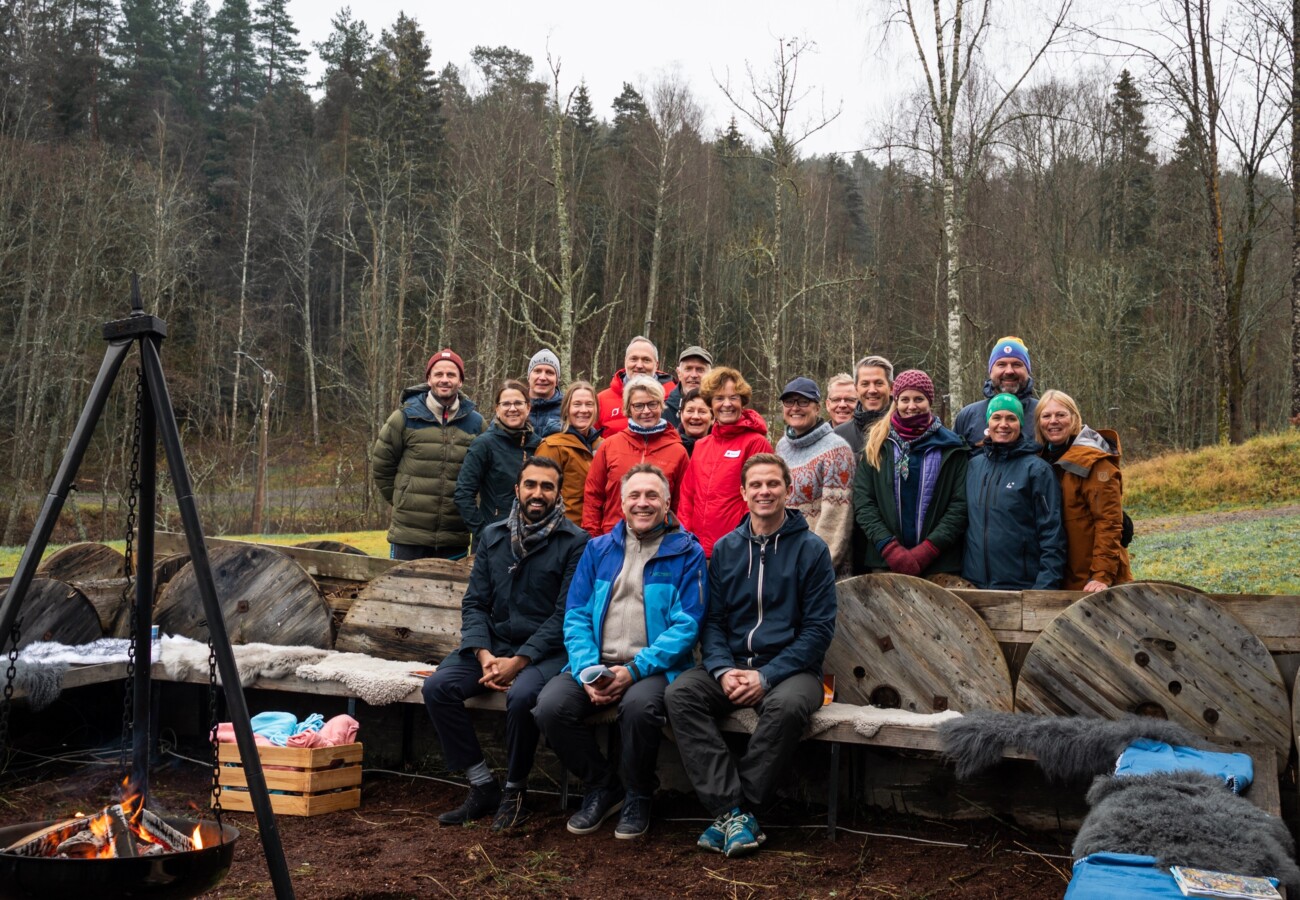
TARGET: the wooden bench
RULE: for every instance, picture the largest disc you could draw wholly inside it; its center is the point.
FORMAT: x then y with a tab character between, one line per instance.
1264	792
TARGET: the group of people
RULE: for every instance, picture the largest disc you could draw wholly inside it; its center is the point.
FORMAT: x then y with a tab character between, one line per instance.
621	535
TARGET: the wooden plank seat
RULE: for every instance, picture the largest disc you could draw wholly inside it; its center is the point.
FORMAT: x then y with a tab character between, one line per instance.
1264	792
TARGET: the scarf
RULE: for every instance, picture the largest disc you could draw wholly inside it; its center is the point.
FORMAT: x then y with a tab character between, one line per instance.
1053	452
795	435
588	439
657	428
444	413
528	537
907	431
518	435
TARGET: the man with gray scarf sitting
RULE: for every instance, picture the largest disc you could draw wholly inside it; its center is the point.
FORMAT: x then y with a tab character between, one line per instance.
512	641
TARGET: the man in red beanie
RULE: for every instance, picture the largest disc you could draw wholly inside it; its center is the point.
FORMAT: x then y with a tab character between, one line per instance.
417	457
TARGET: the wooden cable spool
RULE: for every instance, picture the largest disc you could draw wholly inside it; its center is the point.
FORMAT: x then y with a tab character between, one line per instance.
1162	650
332	547
907	643
411	613
265	597
56	611
83	562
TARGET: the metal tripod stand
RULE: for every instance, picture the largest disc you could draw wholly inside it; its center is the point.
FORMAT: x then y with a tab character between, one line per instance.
158	419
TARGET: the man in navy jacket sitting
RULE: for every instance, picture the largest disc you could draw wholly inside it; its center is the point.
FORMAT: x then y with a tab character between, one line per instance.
770	622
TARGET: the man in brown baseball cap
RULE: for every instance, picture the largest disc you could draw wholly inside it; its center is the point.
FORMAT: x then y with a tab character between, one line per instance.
417	457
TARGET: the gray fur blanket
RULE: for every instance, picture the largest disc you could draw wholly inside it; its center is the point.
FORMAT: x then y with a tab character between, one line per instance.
1068	748
42	664
1186	819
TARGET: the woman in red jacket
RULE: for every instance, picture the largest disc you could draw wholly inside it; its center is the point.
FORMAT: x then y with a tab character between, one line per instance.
711	502
647	438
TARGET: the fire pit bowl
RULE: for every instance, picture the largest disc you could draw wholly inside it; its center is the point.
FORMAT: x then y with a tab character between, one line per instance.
171	876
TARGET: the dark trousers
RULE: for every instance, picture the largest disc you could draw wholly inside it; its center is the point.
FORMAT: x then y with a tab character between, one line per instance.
561	711
407	552
695	704
445	692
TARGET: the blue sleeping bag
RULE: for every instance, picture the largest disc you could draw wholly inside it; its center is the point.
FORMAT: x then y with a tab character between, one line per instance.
1147	757
1110	876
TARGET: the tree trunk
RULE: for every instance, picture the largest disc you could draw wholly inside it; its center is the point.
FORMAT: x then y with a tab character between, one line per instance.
1295	213
243	285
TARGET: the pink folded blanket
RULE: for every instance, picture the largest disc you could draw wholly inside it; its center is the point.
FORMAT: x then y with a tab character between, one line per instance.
226	735
341	729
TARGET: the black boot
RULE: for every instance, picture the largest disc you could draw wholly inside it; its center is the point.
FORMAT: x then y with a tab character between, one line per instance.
483	800
513	810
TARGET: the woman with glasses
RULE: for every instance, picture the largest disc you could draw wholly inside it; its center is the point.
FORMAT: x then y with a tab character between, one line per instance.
575	444
909	493
648	438
711	501
485	488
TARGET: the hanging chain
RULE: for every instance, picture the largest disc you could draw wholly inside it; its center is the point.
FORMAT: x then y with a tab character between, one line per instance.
212	735
128	570
10	674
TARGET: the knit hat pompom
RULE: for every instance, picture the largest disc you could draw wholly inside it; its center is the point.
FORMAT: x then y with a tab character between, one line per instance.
1010	347
1005	402
914	380
544	358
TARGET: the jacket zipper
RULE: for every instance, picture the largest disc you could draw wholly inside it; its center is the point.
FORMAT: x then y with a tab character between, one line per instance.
749	638
988	501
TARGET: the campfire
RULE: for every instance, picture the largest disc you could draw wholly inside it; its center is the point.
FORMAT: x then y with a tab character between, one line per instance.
122	830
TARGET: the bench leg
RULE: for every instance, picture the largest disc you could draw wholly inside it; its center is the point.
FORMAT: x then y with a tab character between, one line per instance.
408	734
833	791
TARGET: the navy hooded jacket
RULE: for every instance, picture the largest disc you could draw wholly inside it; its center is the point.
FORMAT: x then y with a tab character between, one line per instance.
1015	540
772	602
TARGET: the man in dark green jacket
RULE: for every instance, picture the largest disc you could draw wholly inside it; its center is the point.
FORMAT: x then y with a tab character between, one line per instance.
417	457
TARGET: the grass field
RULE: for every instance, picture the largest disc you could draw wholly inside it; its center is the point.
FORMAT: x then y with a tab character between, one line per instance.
1261	556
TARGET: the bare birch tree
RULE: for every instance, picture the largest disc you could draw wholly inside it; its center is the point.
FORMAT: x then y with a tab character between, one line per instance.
948	58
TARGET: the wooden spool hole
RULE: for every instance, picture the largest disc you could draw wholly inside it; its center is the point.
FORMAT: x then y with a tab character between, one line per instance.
1151	710
886	697
859	672
1175	687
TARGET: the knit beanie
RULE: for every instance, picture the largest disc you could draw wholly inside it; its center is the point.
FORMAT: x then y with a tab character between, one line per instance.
1004	402
447	354
1012	347
544	358
914	380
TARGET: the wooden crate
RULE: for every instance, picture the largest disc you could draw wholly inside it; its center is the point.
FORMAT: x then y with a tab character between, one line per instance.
312	781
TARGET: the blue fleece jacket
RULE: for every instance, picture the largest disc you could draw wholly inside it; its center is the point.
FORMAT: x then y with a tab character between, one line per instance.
676	597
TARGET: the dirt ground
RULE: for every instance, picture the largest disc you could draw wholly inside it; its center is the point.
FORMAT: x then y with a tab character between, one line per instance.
392	847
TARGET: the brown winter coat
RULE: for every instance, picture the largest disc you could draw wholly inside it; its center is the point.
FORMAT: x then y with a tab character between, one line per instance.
1092	495
567	449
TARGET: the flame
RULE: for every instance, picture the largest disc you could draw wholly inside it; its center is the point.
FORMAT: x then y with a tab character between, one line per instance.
197	837
100	828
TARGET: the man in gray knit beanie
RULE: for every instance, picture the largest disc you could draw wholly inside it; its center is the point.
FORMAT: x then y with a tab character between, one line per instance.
544	394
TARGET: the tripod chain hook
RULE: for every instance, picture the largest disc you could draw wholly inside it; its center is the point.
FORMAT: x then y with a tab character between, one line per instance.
128	569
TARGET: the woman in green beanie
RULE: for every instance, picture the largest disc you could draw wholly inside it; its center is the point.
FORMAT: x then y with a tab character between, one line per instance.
1014	536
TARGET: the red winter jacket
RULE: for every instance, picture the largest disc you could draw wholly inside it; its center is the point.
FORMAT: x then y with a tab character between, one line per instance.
612	416
602	501
711	501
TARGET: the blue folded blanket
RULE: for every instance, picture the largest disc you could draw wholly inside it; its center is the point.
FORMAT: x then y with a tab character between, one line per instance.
276	727
1109	876
1146	757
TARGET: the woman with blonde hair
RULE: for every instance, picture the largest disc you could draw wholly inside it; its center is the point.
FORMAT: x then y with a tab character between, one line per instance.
711	502
575	444
909	492
648	438
1086	463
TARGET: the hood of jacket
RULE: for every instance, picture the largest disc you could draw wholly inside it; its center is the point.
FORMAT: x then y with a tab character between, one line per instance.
546	405
568	439
748	421
1023	394
620	377
415	407
1022	447
498	433
1088	447
793	524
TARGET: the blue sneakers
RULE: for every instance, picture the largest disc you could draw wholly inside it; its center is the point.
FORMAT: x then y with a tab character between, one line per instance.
715	836
742	834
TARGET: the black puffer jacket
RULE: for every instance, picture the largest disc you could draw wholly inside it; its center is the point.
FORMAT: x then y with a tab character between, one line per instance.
485	489
415	463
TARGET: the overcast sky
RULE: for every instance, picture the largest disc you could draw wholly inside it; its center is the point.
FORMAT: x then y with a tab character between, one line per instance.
855	68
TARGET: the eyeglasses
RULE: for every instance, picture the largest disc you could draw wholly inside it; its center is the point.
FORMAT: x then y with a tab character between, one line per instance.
648	406
512	404
842	401
796	403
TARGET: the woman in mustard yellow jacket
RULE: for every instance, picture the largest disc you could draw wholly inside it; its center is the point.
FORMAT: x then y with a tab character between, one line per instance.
574	445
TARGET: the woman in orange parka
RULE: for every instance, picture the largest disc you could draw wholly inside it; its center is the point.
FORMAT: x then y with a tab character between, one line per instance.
1086	463
648	438
711	502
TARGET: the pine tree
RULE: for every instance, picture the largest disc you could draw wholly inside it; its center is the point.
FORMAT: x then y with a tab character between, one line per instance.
236	75
581	113
283	59
144	61
630	113
1128	173
346	54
